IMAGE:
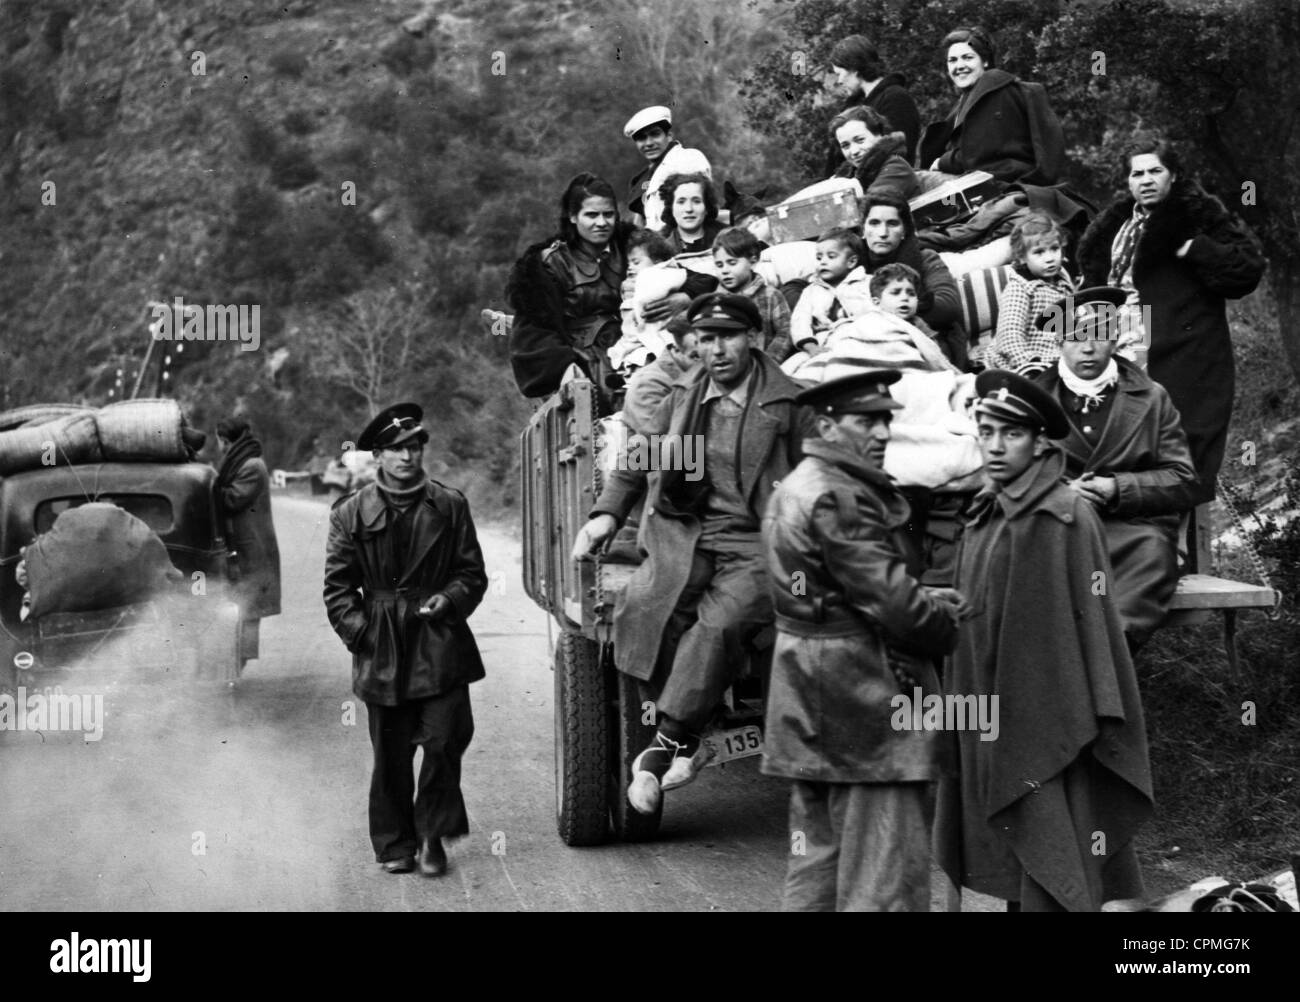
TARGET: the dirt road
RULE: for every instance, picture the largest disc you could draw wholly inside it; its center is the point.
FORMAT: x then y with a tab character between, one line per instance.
200	797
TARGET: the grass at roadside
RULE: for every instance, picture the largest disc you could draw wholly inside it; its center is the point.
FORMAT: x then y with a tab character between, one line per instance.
1225	750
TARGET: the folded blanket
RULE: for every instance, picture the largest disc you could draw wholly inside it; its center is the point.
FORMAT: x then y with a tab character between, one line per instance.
933	441
875	337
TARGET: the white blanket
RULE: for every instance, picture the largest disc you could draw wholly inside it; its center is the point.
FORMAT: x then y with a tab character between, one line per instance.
933	441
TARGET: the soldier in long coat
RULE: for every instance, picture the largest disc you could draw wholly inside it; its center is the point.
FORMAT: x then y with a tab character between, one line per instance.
1126	453
701	595
1044	816
855	629
403	573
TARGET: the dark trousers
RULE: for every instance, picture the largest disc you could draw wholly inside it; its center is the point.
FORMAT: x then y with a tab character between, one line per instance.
400	815
724	605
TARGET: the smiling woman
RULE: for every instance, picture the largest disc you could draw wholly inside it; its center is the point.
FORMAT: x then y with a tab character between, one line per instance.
566	292
859	75
873	153
999	124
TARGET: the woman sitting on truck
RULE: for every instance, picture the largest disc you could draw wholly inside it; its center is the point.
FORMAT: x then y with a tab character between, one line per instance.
566	292
873	154
999	124
690	220
860	76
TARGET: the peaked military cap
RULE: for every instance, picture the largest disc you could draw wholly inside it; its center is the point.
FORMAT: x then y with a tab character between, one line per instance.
724	311
1097	305
393	426
1018	399
865	392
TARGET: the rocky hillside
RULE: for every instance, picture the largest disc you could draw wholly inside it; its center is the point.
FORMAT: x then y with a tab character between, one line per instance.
363	173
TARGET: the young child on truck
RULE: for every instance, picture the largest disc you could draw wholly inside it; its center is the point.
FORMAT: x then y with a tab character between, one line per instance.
839	291
735	253
651	276
889	335
1037	283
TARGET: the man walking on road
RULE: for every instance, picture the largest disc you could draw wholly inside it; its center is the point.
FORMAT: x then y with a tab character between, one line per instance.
403	573
855	628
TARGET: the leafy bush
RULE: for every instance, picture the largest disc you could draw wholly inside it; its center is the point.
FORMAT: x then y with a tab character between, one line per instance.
290	62
299	122
258	140
292	168
373	110
1278	541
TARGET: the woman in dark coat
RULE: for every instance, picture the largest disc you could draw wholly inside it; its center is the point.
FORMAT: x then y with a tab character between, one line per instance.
890	236
861	76
1179	253
873	154
999	124
244	499
566	292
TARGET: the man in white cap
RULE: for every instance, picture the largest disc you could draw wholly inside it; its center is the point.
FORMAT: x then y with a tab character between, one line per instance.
652	131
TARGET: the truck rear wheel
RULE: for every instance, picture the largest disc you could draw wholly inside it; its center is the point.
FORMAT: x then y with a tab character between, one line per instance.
628	736
581	750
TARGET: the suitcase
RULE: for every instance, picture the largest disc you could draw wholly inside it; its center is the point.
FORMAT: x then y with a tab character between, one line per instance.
828	205
954	200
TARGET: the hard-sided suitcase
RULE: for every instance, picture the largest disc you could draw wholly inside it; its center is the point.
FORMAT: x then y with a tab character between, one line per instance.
828	205
954	200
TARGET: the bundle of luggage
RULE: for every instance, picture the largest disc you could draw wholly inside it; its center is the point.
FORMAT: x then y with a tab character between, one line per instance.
68	435
95	556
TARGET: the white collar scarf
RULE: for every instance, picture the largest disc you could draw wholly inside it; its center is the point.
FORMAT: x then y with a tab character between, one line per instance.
1091	390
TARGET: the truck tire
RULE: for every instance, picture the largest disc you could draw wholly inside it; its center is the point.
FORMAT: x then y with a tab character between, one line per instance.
627	737
581	750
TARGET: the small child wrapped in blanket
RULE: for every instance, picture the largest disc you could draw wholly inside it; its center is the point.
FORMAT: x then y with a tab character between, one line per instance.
891	319
651	275
838	291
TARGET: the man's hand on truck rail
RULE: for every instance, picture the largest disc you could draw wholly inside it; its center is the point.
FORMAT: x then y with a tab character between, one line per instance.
593	535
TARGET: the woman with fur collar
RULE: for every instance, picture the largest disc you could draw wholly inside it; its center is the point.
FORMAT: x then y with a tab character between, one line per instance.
566	292
1179	254
999	124
873	154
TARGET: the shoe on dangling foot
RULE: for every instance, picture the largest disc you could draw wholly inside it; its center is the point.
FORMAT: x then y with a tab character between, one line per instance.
685	768
649	769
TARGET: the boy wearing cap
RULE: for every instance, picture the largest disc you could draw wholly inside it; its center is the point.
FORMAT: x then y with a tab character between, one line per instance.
855	628
701	596
652	131
403	572
1126	454
1045	815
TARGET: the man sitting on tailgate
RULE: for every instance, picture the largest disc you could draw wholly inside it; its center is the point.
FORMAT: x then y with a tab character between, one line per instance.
702	593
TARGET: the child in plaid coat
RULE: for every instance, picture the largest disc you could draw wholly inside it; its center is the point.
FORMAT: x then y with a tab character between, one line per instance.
1037	283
